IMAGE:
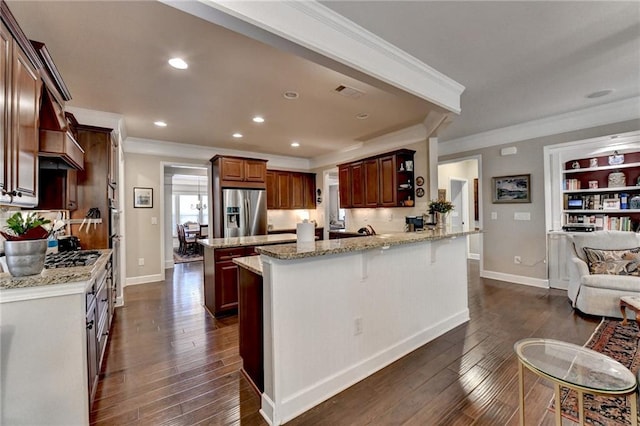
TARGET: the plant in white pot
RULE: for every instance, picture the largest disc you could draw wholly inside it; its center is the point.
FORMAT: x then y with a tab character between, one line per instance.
440	208
25	244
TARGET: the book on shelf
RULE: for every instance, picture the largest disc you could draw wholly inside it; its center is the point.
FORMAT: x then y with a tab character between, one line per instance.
603	222
571	184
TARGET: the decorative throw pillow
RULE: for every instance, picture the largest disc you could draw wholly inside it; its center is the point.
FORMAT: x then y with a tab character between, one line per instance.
613	262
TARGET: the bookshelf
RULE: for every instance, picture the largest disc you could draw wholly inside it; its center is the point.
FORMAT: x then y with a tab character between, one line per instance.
605	195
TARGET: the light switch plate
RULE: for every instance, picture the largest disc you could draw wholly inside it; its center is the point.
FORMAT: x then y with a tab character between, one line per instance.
522	216
494	215
154	220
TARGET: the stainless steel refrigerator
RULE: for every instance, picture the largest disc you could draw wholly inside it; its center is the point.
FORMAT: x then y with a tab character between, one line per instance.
244	212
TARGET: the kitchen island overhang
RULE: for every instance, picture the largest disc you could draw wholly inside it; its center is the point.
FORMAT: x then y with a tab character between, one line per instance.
337	311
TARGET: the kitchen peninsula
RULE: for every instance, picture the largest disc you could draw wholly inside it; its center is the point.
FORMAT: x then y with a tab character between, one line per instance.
336	311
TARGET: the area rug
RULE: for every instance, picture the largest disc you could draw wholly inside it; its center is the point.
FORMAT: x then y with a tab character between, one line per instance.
620	343
184	258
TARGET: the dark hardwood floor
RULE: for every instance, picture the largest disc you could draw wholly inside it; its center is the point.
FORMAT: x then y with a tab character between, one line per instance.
169	362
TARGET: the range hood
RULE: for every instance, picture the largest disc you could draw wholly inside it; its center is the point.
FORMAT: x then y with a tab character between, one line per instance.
58	147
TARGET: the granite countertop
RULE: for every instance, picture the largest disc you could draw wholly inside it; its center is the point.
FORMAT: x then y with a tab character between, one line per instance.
50	277
327	247
255	240
252	263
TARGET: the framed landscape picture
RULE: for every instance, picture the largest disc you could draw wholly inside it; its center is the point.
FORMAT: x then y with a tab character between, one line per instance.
142	198
512	189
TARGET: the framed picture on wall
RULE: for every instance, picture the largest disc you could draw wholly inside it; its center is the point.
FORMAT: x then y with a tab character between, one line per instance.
142	198
511	189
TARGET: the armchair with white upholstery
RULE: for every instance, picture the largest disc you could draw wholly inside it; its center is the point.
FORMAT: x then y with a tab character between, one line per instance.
597	280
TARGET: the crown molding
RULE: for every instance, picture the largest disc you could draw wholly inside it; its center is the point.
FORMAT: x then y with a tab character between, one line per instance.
398	139
321	30
197	152
107	120
613	112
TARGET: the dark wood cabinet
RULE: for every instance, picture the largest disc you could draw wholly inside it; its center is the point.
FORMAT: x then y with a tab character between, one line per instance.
283	192
58	189
20	100
272	198
227	288
387	194
221	279
344	177
290	190
371	183
250	327
297	190
237	172
382	181
357	185
93	185
112	176
309	190
255	170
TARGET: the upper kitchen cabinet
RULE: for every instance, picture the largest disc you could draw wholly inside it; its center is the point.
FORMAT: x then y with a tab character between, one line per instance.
385	180
237	172
19	111
290	190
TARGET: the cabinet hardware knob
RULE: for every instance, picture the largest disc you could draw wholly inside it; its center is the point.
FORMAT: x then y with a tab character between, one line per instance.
106	333
90	325
105	299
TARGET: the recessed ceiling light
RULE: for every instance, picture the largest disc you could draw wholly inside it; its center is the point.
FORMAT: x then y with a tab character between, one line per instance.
295	144
362	116
290	94
599	93
258	119
237	135
178	63
160	123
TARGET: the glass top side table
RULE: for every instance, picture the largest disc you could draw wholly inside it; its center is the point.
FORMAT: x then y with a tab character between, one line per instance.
577	368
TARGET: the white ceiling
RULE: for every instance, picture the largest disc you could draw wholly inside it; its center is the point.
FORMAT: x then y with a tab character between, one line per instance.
519	61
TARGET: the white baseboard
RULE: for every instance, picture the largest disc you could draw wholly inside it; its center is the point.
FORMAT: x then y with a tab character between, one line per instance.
144	279
297	404
517	279
168	264
267	409
119	301
473	256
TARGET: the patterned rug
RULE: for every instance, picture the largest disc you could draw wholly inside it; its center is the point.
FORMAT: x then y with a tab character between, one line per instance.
184	258
620	343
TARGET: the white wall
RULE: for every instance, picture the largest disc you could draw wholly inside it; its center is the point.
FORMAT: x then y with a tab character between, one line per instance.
505	237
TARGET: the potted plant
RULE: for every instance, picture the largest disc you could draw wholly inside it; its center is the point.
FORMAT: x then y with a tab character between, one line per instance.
440	208
25	244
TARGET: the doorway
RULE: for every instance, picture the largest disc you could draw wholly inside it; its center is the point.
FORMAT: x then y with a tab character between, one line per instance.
459	181
186	199
459	197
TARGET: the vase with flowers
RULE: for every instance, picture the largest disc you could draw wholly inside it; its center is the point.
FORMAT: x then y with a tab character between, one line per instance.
25	244
440	208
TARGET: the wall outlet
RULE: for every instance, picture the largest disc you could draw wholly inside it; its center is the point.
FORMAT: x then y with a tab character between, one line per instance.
357	326
141	261
154	220
517	260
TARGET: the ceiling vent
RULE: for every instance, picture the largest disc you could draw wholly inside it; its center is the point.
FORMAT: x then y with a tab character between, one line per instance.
349	92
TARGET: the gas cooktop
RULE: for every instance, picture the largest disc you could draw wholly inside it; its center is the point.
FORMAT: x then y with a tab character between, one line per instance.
68	259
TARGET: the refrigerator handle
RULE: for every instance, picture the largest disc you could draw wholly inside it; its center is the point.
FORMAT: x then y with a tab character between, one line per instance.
247	214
